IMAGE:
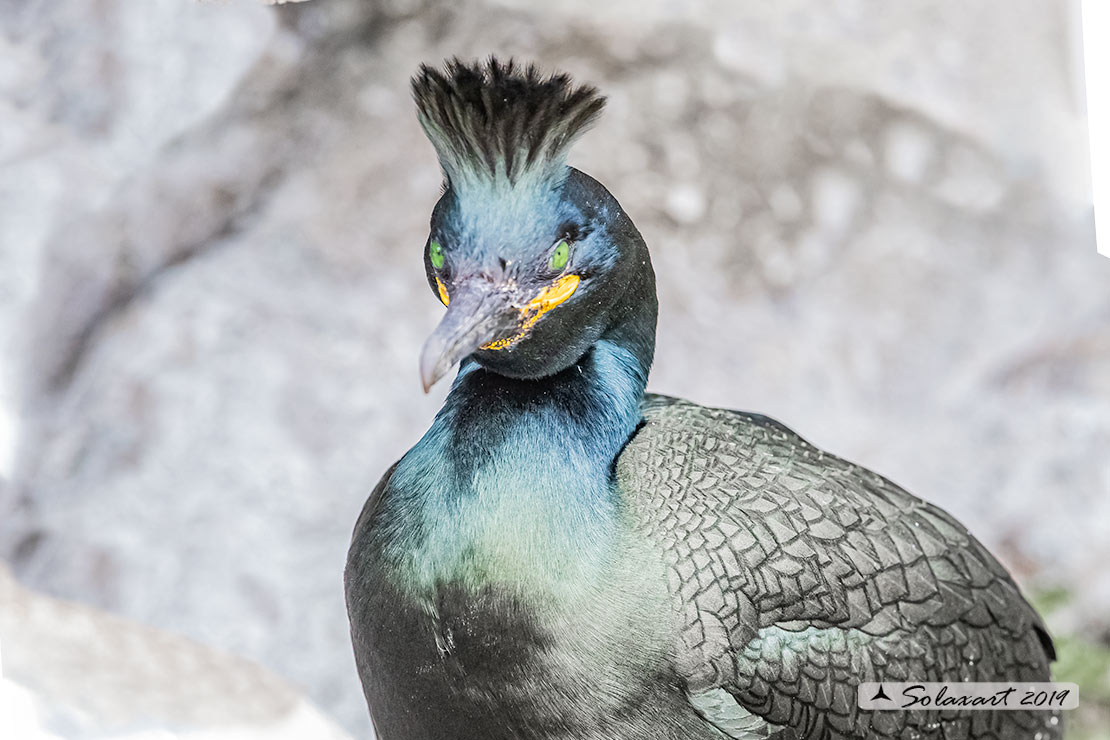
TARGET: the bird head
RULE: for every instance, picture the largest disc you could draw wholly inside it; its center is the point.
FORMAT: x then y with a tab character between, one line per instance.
530	257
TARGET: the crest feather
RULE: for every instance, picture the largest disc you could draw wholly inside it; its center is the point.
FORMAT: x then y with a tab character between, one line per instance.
501	123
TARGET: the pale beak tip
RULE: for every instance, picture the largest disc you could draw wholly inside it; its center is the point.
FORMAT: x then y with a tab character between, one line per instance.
430	361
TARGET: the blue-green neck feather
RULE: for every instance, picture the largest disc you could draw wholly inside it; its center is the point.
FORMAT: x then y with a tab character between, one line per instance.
512	485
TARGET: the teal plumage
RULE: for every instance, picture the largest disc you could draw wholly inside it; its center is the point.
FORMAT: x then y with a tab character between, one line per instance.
561	556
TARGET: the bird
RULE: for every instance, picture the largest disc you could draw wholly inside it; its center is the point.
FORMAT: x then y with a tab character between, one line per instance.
563	555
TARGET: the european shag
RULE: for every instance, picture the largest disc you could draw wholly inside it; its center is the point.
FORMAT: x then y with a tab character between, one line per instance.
563	556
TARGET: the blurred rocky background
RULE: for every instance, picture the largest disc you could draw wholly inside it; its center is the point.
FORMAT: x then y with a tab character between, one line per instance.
870	220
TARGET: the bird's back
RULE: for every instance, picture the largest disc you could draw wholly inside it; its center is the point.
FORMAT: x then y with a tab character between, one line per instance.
795	575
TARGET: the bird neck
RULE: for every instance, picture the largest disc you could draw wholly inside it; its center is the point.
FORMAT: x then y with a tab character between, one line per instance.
512	485
578	417
576	420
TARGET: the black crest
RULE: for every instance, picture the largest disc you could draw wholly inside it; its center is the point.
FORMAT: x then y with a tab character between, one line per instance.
500	122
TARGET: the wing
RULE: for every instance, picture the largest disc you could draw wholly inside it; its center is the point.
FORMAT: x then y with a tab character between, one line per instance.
797	575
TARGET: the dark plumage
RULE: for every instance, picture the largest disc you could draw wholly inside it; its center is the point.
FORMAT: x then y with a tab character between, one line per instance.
501	121
561	556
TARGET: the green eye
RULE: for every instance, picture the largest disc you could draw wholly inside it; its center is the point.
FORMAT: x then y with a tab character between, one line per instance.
560	256
435	254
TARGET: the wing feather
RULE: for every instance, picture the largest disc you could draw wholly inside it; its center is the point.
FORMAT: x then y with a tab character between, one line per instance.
796	575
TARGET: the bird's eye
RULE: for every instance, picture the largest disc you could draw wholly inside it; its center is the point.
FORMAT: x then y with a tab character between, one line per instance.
435	254
560	256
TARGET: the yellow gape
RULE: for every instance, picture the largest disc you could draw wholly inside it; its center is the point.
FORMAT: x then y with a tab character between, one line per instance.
548	298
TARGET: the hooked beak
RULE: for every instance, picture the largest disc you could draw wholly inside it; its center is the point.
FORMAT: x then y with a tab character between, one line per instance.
485	315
